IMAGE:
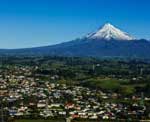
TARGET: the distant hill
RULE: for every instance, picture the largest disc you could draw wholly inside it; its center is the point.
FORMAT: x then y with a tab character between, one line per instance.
108	41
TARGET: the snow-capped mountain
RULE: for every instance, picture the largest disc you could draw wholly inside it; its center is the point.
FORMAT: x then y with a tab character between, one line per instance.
109	32
106	42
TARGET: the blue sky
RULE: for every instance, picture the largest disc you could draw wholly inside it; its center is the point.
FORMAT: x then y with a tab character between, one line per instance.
31	23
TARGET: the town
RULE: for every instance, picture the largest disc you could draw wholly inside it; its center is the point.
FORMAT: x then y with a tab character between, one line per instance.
58	88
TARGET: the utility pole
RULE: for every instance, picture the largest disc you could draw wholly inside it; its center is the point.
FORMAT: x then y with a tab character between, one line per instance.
142	99
93	67
47	104
141	71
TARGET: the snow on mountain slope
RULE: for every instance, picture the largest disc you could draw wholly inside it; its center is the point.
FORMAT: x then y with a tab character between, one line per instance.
109	32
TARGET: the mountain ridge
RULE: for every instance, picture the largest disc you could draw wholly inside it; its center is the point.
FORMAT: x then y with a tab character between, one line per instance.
113	45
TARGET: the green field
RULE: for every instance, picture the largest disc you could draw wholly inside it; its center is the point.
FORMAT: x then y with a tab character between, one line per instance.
59	120
39	120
